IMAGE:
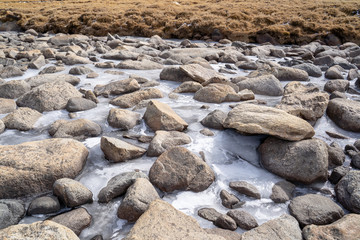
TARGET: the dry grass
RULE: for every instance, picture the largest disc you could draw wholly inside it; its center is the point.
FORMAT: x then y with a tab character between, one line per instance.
287	21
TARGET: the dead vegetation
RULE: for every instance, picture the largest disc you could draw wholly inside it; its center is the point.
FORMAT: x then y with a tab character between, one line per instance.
281	21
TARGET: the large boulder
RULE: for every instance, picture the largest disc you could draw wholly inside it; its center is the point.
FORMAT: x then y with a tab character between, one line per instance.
163	221
198	73
79	104
22	119
174	74
256	119
348	191
160	116
76	220
123	119
217	93
305	161
38	230
10	71
78	129
315	209
33	167
263	85
11	212
48	78
14	89
117	87
345	113
164	140
290	74
7	105
49	96
180	169
131	99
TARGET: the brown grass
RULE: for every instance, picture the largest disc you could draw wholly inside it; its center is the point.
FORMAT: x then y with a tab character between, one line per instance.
286	21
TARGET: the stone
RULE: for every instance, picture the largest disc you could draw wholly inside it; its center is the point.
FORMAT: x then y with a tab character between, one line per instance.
188	87
11	212
137	200
198	73
353	74
165	140
51	69
336	155
14	89
355	161
337	174
2	126
247	65
79	104
225	222
21	177
117	87
290	74
46	229
336	85
80	70
10	71
345	113
207	132
72	59
243	219
63	40
245	188
48	78
209	214
311	69
315	209
131	99
43	205
79	129
48	96
163	221
217	93
229	200
263	85
282	228
160	116
22	119
180	169
334	73
38	62
76	220
282	191
72	193
116	150
7	105
348	191
174	74
121	55
118	185
304	161
256	119
226	234
144	64
346	228
215	119
123	119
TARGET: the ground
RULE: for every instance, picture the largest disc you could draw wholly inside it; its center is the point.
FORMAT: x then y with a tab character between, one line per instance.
280	21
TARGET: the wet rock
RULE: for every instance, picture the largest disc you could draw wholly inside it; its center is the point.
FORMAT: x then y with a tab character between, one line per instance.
311	69
11	212
225	222
337	174
79	104
159	116
336	155
256	119
117	87
118	185
345	113
286	159
10	71
345	228
116	150
131	99
290	74
174	74
80	70
123	119
209	214
229	200
7	105
14	89
20	177
282	191
284	227
188	87
43	205
180	169
38	62
348	191
217	93
243	219
72	193
139	65
215	119
206	132
137	200
315	209
165	140
48	78
22	119
334	73
245	188
336	85
263	85
78	129
76	220
49	96
198	73
46	229
165	222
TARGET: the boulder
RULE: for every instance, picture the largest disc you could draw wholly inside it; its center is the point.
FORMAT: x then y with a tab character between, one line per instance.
118	185
311	69
7	105
338	173
336	85
48	78
2	126
79	104
137	200
165	140
49	96
10	71
116	150
336	155
348	191
11	212
198	73
72	59
37	62
131	99
243	219
315	209
353	74
21	177
225	222
22	119
63	40
290	74
229	200
263	85
180	169
117	87
217	93
80	70
188	87
14	89
174	74
44	230
209	214
44	205
123	119
345	113
245	188
304	161
160	116
226	234
334	72
144	64
76	220
256	119
121	55
215	119
51	69
282	191
78	129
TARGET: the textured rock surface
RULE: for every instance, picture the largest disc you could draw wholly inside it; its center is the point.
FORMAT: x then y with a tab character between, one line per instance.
78	129
245	188
79	104
117	87
44	205
48	78
164	140
263	85
209	214
7	105
217	93
14	89
22	119
198	73
243	219
215	119
123	119
345	113
225	222
282	191
131	99
348	191
11	212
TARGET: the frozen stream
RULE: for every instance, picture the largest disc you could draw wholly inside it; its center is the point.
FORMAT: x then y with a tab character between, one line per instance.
232	156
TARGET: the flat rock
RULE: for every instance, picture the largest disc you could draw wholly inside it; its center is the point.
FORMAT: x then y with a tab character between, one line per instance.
217	93
348	191
14	89
22	119
164	140
76	220
243	219
116	150
290	74
180	169
7	105
48	78
21	177
79	129
256	119
215	119
79	104
198	73
131	99
11	212
139	65
345	113
245	188
63	40
209	214
282	191
174	74
117	87
80	70
44	205
311	69
263	85
123	119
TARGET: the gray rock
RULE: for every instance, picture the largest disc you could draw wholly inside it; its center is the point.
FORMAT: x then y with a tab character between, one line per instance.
72	59
79	104
215	119
311	69
117	87
7	105
38	62
62	40
165	140
10	71
14	89
43	205
105	64
282	191
207	132
338	173
48	78
324	60
230	200
225	222
11	212
144	64
131	99
290	74
243	219
263	85
355	161
348	191
336	85
247	65
51	69
123	119
334	73
76	220
198	73
245	188
80	70
353	74
79	129
22	119
188	87
337	94
345	113
174	74
217	93
209	214
336	155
